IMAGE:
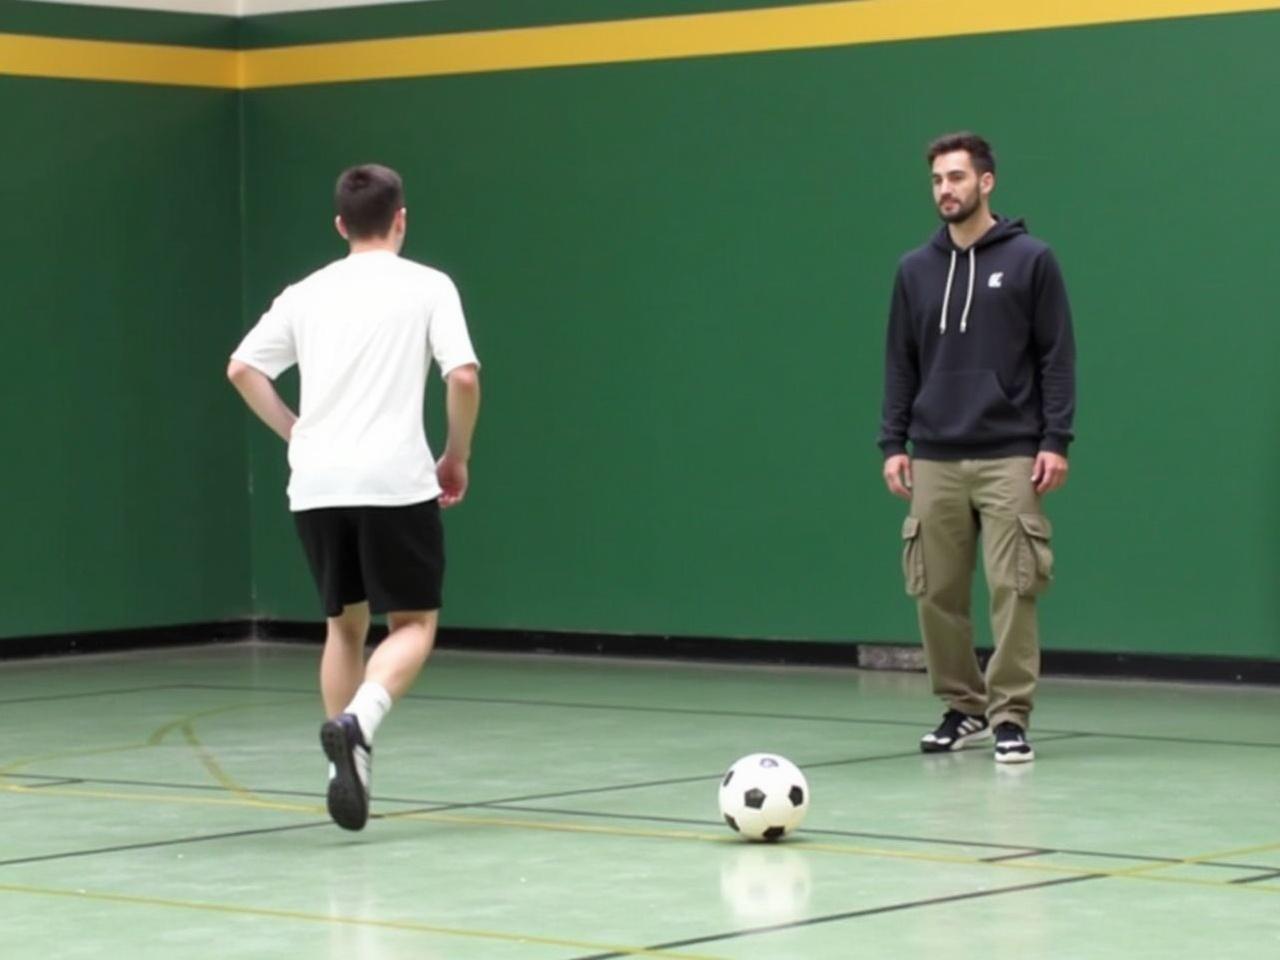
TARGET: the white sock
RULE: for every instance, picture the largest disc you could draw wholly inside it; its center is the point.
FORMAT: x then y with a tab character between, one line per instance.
370	705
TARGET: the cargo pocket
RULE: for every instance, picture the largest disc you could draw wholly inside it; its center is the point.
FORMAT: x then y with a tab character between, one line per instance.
912	557
1035	555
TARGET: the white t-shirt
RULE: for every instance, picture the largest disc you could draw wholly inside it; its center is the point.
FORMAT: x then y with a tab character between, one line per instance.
363	331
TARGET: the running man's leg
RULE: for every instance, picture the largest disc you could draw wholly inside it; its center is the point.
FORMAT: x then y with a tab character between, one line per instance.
394	665
399	659
347	737
342	663
401	562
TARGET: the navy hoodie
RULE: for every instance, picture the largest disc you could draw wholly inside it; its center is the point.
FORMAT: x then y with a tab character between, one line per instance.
980	355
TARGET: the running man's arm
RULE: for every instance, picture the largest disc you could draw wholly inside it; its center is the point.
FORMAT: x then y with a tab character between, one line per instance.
462	404
260	394
265	352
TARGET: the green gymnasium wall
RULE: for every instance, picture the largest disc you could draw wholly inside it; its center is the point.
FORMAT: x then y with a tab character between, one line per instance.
677	272
125	502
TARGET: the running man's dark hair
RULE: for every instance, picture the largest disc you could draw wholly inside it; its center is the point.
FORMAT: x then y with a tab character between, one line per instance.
367	198
984	161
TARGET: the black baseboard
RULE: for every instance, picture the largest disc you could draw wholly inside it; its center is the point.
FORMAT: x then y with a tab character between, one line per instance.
810	653
1159	666
138	638
1137	666
1140	666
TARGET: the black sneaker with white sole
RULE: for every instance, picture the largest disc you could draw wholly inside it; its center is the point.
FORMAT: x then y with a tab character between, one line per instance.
1011	744
956	731
352	758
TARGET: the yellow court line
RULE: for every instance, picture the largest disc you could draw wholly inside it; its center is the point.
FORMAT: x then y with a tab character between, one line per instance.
158	735
184	724
154	739
215	769
209	761
1193	861
760	30
844	849
1136	873
180	799
68	755
403	925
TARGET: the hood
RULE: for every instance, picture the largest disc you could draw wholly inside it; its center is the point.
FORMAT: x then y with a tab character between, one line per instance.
1001	231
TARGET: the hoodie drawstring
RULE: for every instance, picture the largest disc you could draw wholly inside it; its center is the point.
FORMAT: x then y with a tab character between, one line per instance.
968	300
946	297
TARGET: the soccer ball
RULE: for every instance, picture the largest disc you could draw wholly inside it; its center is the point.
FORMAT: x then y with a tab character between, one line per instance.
764	796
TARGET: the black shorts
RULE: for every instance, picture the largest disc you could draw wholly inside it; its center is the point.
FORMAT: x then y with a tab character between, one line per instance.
391	556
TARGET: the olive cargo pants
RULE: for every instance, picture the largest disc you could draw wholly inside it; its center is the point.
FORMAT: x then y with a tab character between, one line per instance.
952	503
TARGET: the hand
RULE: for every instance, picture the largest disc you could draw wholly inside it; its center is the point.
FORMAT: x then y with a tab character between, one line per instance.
897	475
1050	472
451	471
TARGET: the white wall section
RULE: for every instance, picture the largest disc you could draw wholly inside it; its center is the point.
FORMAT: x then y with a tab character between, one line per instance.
230	8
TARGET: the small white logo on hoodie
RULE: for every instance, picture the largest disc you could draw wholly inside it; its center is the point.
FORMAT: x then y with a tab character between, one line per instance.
995	280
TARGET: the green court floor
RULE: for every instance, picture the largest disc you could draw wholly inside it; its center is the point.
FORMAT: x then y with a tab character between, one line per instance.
170	804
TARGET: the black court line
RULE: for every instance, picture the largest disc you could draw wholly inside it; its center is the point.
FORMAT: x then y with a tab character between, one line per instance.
1195	741
670	781
421	806
35	776
693	778
55	783
1017	856
806	831
151	844
1020	850
511	804
917	752
427	805
1274	874
578	705
205	787
673	781
201	838
1038	736
850	915
818	765
95	693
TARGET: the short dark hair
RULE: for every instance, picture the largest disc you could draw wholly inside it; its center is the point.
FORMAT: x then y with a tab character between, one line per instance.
367	199
984	160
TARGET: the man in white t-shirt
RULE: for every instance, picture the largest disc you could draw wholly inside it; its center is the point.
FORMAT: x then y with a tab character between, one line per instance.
364	488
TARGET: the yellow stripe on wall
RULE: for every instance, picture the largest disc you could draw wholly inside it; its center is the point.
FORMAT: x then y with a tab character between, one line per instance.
698	35
123	62
844	23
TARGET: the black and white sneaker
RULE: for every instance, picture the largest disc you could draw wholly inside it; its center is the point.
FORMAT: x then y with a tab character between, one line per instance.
352	759
956	731
1011	744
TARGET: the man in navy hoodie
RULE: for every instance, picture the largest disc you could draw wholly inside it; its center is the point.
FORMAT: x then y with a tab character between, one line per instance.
980	382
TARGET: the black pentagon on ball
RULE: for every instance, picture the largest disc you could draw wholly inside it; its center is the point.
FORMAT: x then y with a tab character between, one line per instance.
796	796
774	833
727	777
754	798
732	822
